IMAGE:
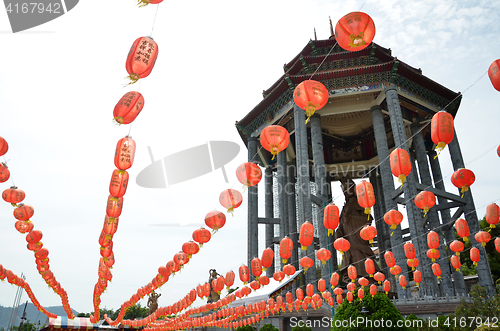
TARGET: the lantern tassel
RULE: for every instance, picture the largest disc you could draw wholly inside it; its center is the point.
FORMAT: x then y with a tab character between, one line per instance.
464	189
133	79
439	148
143	3
330	232
402	179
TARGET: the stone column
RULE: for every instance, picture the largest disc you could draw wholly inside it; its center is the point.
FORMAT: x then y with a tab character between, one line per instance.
320	181
449	232
383	241
269	213
303	188
483	267
388	188
292	217
281	177
432	216
253	225
410	191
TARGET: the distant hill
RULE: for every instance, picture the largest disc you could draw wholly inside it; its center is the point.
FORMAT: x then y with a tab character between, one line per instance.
32	314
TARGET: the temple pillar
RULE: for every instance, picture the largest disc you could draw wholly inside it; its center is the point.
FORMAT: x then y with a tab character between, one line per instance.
269	213
383	241
282	200
292	217
447	223
303	188
432	216
253	225
483	266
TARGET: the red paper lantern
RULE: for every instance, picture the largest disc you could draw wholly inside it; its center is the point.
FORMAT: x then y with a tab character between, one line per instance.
229	280
390	260
433	240
425	200
395	271
256	267
349	297
42	254
436	270
24	226
309	290
306	235
393	218
492	215
334	279
462	179
255	285
433	254
110	225
331	218
370	267
127	109
352	273
286	246
190	248
368	232
462	228
125	153
497	244
339	299
455	262
355	31
13	195
114	206
4	146
493	73
4	173
323	255
321	285
141	58
457	246
201	236
289	269
413	263
249	174
366	196
299	293
342	245
215	220
417	277
363	281
361	294
119	182
400	164
24	212
267	258
387	286
373	289
34	236
180	258
402	281
310	95
106	251
306	262
482	237
442	129
279	276
244	274
274	138
410	251
230	199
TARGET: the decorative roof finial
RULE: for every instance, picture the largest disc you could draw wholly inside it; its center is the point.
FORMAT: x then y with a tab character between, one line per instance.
331	27
315	38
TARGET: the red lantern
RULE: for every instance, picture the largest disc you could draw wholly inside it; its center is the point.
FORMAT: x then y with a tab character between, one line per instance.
433	240
306	235
110	225
180	258
4	173
349	297
4	146
24	226
433	254
400	164
127	109
492	214
289	270
106	251
256	267
417	277
286	246
42	254
389	259
442	130
309	290
274	138
331	218
342	245
278	276
493	73
402	281
267	258
351	287
141	58
334	279
34	236
306	262
462	179
255	285
361	294
201	236
425	200
190	248
482	237
229	280
497	244
373	289
244	274
114	206
230	199
366	196
455	262
323	255
395	271
436	270
249	174
215	220
321	285
23	212
413	263
13	195
393	218
125	153
387	286
339	299
300	294
310	95
119	182
352	273
457	246
368	232
410	251
370	267
355	31
462	228
363	281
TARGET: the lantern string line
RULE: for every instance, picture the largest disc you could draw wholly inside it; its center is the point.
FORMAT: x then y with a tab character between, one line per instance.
10	176
154	20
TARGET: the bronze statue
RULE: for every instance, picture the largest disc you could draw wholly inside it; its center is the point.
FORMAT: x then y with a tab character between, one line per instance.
214	296
352	219
153	302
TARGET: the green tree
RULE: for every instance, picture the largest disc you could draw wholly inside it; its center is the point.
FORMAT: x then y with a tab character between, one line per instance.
27	326
136	311
110	312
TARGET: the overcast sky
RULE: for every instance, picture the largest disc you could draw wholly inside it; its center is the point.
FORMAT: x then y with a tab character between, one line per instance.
59	83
